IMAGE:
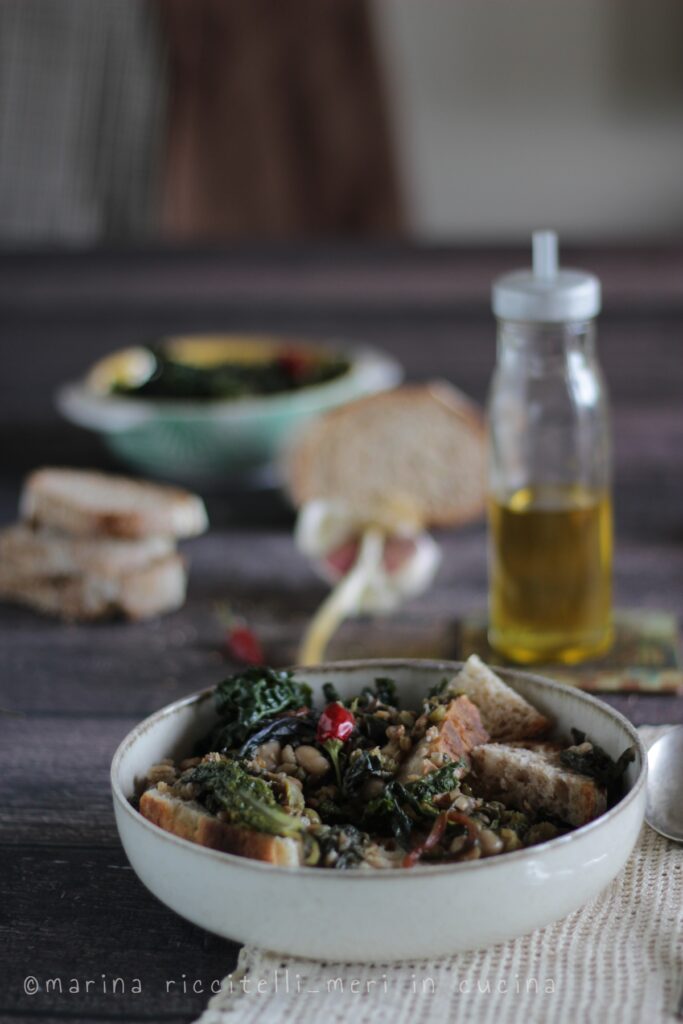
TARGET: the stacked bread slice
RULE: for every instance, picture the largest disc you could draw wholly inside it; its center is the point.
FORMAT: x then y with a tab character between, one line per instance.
93	546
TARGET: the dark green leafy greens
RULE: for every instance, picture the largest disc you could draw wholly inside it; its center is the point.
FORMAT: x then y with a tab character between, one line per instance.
438	688
423	791
247	699
286	372
287	728
341	846
596	762
331	693
385	689
384	692
401	805
363	765
224	785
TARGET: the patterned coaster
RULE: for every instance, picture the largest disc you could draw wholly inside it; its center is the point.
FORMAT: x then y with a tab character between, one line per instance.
645	656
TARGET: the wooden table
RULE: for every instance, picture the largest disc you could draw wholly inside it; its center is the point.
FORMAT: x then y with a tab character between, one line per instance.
71	908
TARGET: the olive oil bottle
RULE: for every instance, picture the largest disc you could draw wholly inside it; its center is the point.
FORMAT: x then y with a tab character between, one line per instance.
550	510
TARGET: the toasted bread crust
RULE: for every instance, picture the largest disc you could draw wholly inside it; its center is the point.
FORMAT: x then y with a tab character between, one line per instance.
189	820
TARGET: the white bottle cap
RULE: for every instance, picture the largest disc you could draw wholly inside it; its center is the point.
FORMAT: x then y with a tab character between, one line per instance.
546	293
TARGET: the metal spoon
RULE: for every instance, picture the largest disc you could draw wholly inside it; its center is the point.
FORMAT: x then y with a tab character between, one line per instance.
664	809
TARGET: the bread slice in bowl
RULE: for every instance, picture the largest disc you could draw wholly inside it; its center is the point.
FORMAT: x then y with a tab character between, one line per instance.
504	713
189	820
535	780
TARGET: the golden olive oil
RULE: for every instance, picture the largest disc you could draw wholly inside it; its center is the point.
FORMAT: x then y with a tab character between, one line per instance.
551	574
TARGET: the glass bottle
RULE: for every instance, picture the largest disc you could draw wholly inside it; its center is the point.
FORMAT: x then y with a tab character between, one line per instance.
550	513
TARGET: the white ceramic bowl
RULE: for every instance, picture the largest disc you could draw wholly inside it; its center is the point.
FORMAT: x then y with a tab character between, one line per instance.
383	915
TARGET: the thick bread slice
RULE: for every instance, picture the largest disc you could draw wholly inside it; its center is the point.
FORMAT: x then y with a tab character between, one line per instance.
451	739
142	594
86	503
190	820
505	715
531	780
39	553
418	449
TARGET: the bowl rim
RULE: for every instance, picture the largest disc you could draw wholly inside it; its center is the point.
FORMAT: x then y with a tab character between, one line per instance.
419	870
363	359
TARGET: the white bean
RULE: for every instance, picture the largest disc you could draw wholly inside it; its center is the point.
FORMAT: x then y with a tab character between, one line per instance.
490	842
311	760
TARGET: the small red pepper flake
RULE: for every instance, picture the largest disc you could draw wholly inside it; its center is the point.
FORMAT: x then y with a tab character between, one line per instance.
243	645
335	723
239	640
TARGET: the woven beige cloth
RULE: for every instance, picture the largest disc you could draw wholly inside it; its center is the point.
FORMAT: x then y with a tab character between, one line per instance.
618	959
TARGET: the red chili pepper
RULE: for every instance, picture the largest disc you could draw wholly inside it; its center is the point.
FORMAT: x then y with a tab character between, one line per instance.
243	644
335	723
294	364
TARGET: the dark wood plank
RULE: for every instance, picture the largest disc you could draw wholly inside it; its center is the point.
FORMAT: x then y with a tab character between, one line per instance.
80	914
132	670
64	798
282	275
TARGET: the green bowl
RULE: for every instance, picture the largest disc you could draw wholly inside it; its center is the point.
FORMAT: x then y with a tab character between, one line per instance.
204	443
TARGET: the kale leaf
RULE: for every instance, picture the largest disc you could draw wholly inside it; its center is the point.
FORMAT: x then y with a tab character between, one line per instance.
363	765
224	785
385	689
383	693
402	805
386	813
341	846
597	763
331	693
438	689
422	792
246	699
286	728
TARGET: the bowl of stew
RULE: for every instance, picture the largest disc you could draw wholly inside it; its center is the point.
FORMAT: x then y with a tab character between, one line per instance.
425	910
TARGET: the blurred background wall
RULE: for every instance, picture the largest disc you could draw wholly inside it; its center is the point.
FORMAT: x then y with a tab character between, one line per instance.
463	120
509	114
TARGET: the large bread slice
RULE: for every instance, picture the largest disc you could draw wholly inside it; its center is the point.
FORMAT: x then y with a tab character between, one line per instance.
505	715
141	594
452	739
43	553
189	820
86	503
422	449
534	780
